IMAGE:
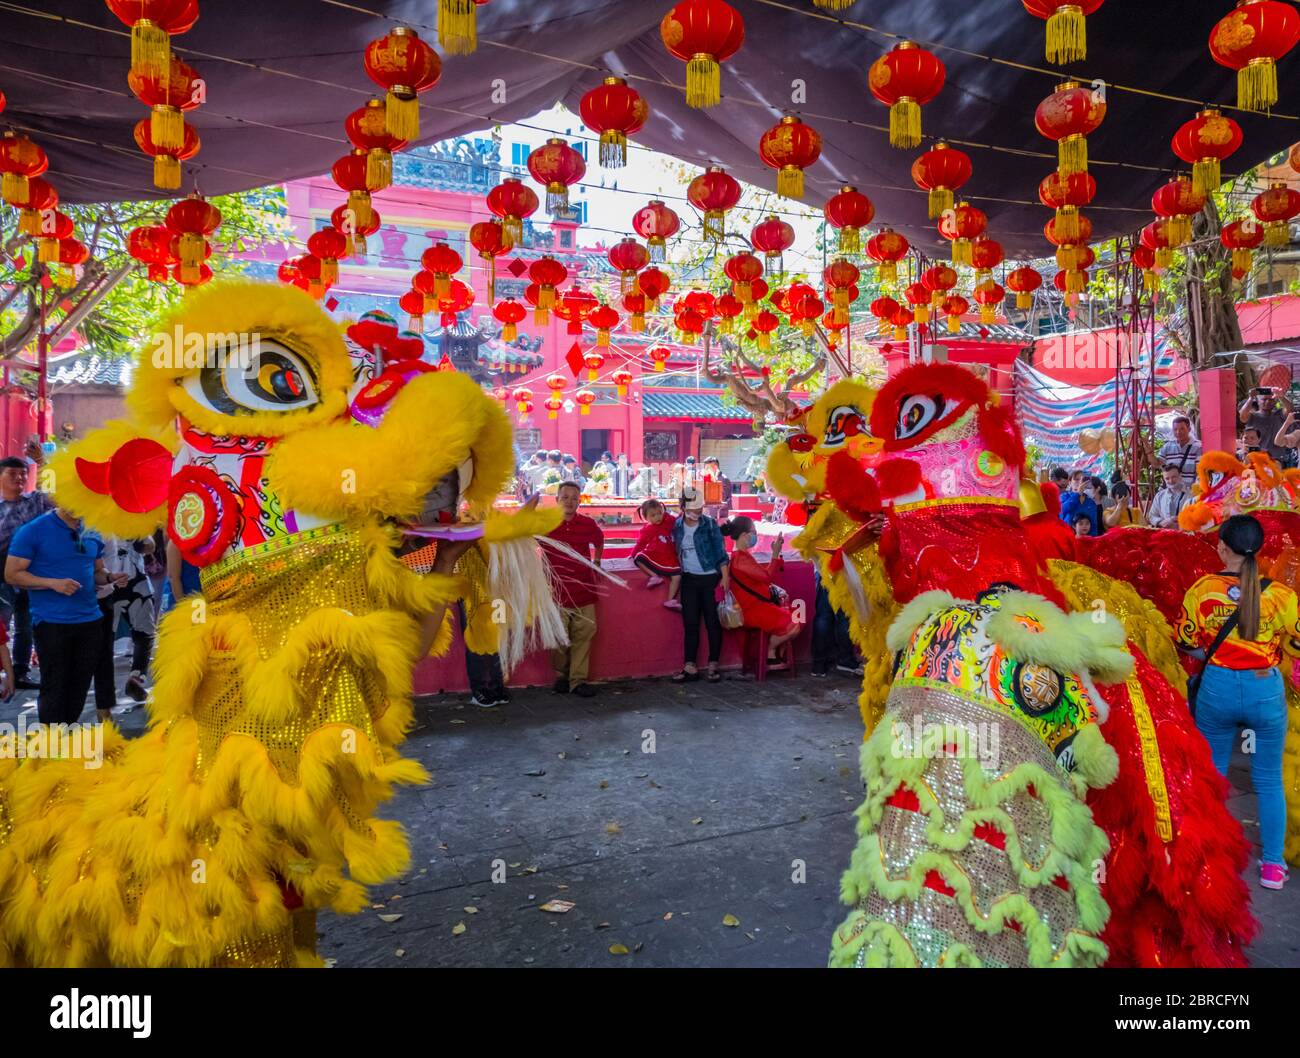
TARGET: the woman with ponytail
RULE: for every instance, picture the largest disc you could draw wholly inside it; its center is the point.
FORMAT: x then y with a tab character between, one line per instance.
1243	626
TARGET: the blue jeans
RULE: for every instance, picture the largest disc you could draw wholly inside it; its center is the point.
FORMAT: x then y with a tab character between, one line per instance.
831	644
1250	698
15	603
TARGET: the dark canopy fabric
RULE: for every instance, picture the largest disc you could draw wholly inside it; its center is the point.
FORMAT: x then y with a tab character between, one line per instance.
282	74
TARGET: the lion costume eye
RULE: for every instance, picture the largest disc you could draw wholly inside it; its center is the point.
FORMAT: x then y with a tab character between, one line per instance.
916	412
264	376
845	421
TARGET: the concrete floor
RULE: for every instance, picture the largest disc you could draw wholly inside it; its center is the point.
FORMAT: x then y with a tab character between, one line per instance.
661	812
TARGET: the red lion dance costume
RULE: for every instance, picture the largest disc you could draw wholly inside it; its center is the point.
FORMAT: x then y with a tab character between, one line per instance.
943	468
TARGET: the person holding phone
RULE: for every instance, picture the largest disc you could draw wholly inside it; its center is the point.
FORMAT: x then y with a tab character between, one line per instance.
1263	411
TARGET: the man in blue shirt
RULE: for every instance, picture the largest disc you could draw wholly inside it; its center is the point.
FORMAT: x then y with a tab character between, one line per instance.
58	564
17	508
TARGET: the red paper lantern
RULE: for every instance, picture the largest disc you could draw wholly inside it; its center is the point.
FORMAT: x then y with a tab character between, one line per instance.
153	23
604	319
918	296
443	262
458	298
1177	201
849	211
887	247
404	65
700	301
367	130
329	245
1081	225
1066	30
634	304
653	284
1075	258
954	307
659	354
622	378
985	255
989	296
166	160
938	279
168	95
412	303
772	237
488	237
1250	40
901	320
961	225
703	34
1071	283
350	172
905	79
1204	142
790	147
150	244
513	201
20	160
548	274
1023	281
458	25
585	398
726	308
1275	208
627	257
197	278
763	325
1065	193
743	269
1068	116
1241	237
1144	257
344	220
614	112
193	219
883	308
714	192
807	311
1155	236
941	171
308	277
840	276
557	166
509	313
656	223
575	306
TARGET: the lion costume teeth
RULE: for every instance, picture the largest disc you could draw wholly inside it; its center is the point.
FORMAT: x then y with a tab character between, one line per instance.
282	694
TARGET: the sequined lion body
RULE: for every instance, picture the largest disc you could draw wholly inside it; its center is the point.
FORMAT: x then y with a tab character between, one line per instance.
282	692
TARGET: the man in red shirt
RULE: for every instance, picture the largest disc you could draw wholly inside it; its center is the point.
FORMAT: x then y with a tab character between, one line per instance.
575	591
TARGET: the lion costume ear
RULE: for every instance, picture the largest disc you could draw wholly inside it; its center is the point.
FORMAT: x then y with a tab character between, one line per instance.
116	478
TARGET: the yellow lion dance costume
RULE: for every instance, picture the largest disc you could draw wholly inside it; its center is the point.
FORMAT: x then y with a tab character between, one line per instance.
282	693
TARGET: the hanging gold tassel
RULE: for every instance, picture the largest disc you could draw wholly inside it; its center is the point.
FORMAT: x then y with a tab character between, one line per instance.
941	200
954	324
166	172
1178	229
1072	154
329	271
703	82
1277	234
1066	225
457	26
1074	281
47	250
921	313
961	252
441	285
557	198
509	332
888	272
545	297
167	126
1067	39
715	225
415	324
905	123
541	316
512	228
900	334
789	181
402	116
359	203
1148	279
349	245
151	54
1205	176
613	149
192	250
637	324
1067	257
988	313
29	222
765	341
430	303
658	249
492	279
1164	258
833	5
379	169
850	240
1024	299
883	327
13	188
1257	85
840	299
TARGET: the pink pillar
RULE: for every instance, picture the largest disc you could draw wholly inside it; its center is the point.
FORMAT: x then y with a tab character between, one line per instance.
1218	403
896	357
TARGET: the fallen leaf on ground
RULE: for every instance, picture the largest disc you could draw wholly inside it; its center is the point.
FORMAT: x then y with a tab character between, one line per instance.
389	918
613	828
458	721
730	920
458	929
697	820
559	907
602	925
604	784
531	870
535	774
470	910
400	952
668	917
618	949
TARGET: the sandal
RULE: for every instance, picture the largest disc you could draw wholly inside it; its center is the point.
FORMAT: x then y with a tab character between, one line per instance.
686	677
714	676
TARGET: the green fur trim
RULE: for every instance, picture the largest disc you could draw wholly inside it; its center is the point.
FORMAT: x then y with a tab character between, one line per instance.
885	946
915	614
1076	642
1095	760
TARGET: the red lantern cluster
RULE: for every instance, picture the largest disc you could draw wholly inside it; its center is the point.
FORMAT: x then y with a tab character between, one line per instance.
21	160
905	79
151	245
165	136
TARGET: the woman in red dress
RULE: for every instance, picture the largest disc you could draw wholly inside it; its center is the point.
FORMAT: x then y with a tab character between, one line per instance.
754	589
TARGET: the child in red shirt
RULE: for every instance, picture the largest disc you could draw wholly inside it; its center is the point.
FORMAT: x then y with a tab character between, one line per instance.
655	553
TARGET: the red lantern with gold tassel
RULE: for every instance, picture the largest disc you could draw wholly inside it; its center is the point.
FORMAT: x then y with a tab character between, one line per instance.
849	211
458	298
656	223
1075	258
556	383
1250	40
614	112
309	275
1023	281
443	262
954	307
556	166
329	245
960	225
55	227
985	255
1067	39
887	247
634	304
548	274
883	308
196	278
574	308
840	276
659	355
1144	257
1176	201
604	319
703	34
901	320
941	171
412	303
169	96
166	160
772	237
790	147
509	313
513	201
40	199
367	130
622	378
153	23
726	308
1057	237
20	160
627	257
1068	116
1241	237
654	284
758	290
939	279
193	219
585	398
1275	208
1071	283
905	79
344	220
1203	143
1155	236
918	296
743	269
1065	193
488	237
763	325
404	65
714	193
458	25
989	296
349	172
150	244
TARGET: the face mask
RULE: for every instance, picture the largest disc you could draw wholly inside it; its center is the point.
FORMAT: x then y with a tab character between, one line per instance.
751	539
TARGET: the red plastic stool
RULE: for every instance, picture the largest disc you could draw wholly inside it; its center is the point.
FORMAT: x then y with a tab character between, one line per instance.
757	637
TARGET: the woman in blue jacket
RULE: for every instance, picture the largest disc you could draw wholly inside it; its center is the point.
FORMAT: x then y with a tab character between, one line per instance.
1084	501
703	561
